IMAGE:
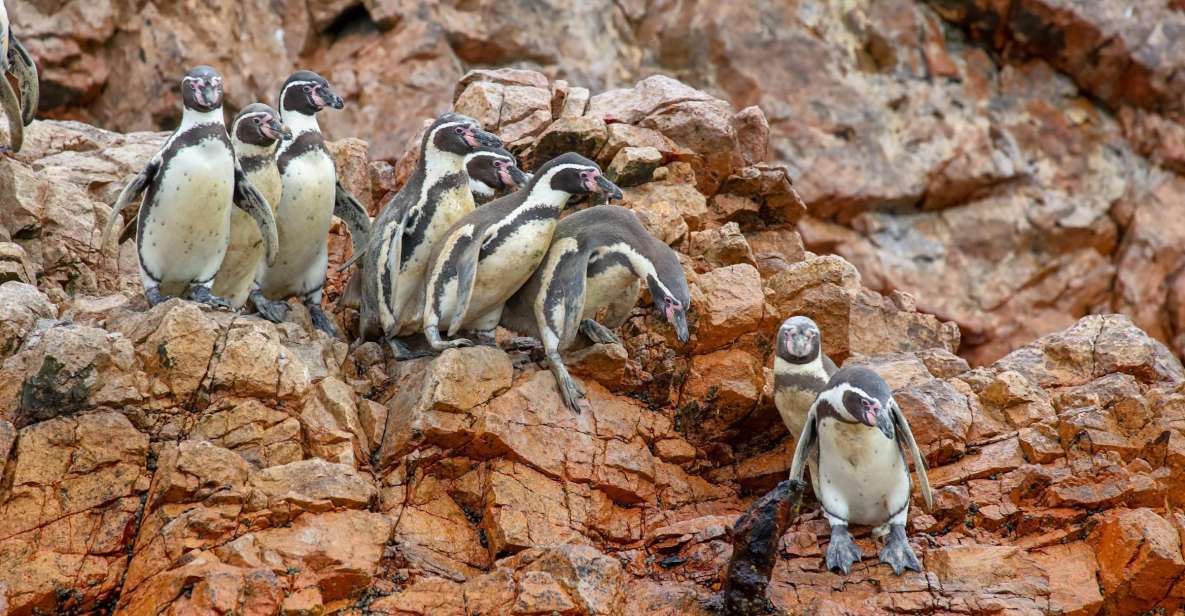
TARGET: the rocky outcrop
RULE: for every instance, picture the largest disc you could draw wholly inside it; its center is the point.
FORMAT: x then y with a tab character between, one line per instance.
183	460
1012	165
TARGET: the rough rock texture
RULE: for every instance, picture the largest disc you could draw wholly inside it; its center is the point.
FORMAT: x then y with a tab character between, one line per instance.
1012	165
178	460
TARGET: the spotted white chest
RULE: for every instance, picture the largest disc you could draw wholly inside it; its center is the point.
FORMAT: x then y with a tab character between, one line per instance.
863	477
303	217
185	228
609	286
451	206
502	272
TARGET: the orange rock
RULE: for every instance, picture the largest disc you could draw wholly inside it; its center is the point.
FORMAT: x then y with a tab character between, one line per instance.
1139	557
732	303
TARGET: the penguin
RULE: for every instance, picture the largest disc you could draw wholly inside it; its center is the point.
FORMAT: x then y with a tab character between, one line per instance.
255	133
486	256
16	61
183	225
492	173
801	370
599	258
858	438
434	198
310	197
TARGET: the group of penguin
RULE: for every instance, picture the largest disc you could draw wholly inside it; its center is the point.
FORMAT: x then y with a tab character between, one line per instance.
434	265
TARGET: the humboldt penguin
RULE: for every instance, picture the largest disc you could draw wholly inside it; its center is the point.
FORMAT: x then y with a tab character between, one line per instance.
15	60
492	173
434	198
486	256
183	226
801	371
255	133
310	197
599	258
858	437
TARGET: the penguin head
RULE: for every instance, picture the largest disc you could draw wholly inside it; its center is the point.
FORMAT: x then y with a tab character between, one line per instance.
495	169
259	124
458	134
799	340
669	291
307	93
866	398
575	175
201	89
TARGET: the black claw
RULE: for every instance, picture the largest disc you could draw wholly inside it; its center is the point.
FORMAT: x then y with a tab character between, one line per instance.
598	333
321	320
842	552
897	552
274	311
202	295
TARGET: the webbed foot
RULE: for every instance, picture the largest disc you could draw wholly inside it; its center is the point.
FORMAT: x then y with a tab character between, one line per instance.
272	310
842	552
598	333
202	295
898	553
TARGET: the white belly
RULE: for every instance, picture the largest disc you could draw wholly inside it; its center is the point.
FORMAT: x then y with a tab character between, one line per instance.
245	251
502	273
303	218
607	288
863	478
185	230
409	294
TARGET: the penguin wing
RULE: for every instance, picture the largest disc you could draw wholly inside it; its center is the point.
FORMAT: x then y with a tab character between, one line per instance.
392	266
829	366
347	208
463	255
248	199
560	306
129	194
26	75
12	109
805	444
905	438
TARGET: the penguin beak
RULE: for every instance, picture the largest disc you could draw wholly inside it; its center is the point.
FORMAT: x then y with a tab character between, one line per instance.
885	424
276	130
798	343
513	177
678	318
326	97
875	416
478	138
607	188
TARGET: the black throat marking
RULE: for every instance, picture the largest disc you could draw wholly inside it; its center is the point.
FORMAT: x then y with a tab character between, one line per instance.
308	141
417	229
507	230
255	162
607	261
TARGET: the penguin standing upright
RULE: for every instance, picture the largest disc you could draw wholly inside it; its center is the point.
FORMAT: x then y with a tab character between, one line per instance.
801	371
15	60
598	259
435	197
858	437
492	172
311	196
184	223
487	255
255	133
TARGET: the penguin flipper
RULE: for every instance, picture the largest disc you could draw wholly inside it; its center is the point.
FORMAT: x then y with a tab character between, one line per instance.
805	444
393	265
129	231
905	437
351	212
466	265
12	109
829	366
129	193
25	71
248	199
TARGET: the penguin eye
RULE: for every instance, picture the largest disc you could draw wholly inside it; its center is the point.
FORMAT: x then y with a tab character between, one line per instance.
308	89
459	130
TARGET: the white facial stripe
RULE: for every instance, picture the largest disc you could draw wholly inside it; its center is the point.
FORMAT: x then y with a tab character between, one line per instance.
284	92
641	265
256	114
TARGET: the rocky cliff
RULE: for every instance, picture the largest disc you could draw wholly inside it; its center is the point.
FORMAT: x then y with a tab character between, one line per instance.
180	460
1013	165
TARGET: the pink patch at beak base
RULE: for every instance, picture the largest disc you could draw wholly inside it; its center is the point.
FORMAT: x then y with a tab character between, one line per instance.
870	418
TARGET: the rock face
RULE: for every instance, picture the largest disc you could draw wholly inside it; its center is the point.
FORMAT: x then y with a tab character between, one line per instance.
1012	165
179	460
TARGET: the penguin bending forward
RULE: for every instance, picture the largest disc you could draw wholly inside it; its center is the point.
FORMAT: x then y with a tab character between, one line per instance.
485	257
183	225
801	371
15	60
598	259
434	198
311	196
255	133
858	437
492	173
